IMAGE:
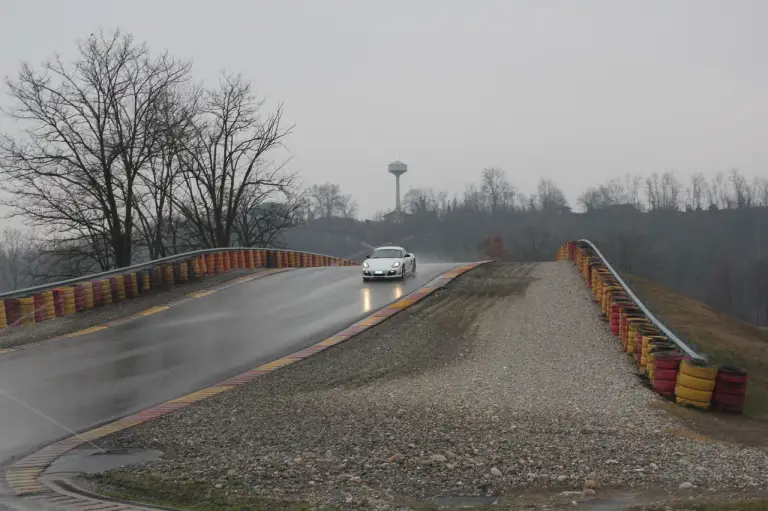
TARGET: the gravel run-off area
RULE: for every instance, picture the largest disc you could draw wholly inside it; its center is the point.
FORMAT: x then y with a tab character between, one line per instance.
504	383
17	336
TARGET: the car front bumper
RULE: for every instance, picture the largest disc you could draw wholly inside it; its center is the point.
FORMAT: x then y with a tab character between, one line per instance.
394	273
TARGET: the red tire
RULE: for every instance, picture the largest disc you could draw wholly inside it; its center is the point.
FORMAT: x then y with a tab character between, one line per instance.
731	374
729	400
670	363
730	389
665	374
664	387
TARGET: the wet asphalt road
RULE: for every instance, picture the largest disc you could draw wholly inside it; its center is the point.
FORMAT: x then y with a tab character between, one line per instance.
82	382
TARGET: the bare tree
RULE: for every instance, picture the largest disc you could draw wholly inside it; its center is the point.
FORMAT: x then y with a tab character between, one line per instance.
16	253
551	197
260	223
760	191
348	207
697	191
741	191
719	194
498	193
329	202
226	158
418	201
158	222
88	132
590	199
663	192
473	198
632	185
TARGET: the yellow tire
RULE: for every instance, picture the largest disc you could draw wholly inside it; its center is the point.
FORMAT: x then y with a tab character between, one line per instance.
698	371
704	405
694	383
702	396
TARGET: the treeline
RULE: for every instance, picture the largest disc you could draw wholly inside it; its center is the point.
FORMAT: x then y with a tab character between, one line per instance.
707	239
123	157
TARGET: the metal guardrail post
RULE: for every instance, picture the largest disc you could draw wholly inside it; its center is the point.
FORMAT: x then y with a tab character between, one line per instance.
672	337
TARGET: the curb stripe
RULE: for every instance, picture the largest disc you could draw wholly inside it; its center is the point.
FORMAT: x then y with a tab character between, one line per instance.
23	477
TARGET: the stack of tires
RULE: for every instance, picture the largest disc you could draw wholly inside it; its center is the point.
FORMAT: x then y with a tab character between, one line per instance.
645	333
671	373
663	369
695	384
730	389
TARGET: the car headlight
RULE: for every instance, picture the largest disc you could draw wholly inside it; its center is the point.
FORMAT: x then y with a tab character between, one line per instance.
365	265
395	264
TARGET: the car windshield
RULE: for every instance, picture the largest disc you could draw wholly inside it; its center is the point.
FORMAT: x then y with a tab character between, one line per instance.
384	253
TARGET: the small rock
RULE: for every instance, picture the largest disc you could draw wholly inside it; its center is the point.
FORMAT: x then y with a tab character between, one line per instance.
311	483
574	503
328	454
412	446
686	485
437	457
354	479
589	492
611	462
219	486
495	472
590	484
562	478
653	466
571	494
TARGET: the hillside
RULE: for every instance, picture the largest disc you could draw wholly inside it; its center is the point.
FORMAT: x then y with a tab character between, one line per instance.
726	340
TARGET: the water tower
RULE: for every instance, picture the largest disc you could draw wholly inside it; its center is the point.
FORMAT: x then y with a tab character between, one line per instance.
397	168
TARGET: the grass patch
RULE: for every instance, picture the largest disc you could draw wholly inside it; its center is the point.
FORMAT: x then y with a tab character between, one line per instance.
187	495
725	339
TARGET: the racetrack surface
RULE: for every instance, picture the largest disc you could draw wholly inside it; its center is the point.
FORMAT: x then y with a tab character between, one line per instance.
502	385
79	383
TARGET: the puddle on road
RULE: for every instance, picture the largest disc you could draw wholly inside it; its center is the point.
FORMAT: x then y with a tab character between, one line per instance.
91	461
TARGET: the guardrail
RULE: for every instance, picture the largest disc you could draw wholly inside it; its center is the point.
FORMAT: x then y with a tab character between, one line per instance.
671	366
661	326
56	299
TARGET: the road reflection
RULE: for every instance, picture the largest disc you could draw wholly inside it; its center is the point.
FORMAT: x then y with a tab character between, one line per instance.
398	291
366	299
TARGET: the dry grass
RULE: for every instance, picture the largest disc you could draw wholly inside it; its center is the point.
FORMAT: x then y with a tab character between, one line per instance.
726	340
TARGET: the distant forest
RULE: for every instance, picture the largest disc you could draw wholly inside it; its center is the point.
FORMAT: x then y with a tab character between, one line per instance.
706	239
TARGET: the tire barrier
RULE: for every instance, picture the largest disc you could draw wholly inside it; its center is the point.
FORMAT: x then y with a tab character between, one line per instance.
74	296
730	390
64	301
671	368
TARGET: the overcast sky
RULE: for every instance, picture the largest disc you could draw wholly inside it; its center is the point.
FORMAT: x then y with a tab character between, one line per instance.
576	91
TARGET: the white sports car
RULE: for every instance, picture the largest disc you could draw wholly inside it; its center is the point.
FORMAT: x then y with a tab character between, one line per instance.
388	263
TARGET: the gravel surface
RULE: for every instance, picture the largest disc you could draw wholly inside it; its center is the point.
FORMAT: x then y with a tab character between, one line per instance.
504	382
17	336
